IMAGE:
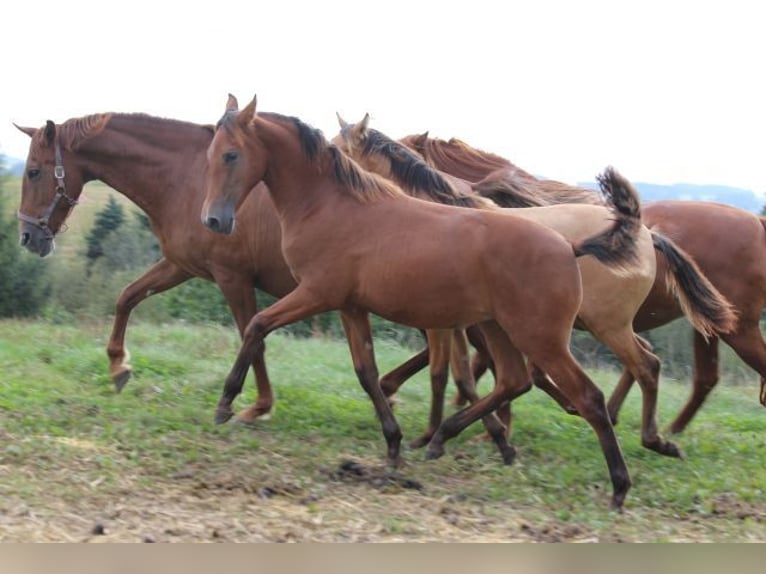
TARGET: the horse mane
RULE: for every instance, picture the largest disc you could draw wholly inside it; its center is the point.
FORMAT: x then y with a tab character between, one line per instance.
467	162
362	185
497	178
74	131
407	169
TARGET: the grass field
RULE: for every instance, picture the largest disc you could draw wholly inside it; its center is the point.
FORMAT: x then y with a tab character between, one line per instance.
78	462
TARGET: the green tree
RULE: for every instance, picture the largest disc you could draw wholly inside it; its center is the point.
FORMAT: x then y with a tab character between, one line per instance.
107	221
24	279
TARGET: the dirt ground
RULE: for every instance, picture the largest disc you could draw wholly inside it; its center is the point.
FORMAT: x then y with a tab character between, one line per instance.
352	501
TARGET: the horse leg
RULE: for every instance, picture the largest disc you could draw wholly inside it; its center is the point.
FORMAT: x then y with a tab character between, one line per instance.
480	362
645	366
620	392
356	324
705	378
391	381
240	296
296	305
439	357
543	382
748	343
511	381
589	402
160	277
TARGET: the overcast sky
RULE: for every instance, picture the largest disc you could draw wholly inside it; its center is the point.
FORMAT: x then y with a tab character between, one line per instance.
665	91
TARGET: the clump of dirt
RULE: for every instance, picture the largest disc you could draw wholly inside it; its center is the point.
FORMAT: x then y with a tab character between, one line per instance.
380	478
727	506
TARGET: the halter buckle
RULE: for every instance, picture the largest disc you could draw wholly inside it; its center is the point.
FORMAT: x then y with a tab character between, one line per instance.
58	172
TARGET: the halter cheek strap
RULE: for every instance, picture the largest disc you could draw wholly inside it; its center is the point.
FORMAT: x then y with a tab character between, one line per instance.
42	222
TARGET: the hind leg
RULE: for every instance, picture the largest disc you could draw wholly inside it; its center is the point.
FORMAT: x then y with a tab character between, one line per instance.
589	402
439	347
511	381
704	380
620	392
645	366
747	342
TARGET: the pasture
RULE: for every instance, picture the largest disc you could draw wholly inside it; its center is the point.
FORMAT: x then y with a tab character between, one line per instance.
80	463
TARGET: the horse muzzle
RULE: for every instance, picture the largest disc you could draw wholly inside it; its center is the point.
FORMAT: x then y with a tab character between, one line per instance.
219	219
36	240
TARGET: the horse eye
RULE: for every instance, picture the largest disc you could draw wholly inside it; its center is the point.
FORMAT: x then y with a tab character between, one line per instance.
230	157
33	173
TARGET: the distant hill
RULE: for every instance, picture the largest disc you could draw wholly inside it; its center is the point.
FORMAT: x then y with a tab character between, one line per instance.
742	198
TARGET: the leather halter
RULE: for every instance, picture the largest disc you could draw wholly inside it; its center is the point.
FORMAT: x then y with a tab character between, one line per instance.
42	222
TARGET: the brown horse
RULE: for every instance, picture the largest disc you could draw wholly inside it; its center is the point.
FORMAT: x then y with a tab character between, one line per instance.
728	244
610	299
342	235
159	164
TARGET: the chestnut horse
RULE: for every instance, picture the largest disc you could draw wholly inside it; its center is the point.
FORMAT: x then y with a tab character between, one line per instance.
727	243
610	299
342	235
158	164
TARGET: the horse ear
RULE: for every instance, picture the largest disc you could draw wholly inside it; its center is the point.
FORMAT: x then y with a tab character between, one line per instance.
29	131
232	105
364	125
343	123
50	131
420	141
248	114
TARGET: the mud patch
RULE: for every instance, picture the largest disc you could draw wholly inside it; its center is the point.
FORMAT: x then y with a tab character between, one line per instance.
726	506
378	477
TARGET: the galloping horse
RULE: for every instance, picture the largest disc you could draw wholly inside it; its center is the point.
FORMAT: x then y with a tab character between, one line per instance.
727	243
159	164
342	232
610	298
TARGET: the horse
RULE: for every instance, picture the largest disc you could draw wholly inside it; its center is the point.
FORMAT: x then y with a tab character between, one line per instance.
727	243
610	299
154	162
342	235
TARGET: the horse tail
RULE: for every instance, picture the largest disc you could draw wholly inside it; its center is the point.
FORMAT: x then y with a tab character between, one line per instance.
707	310
616	247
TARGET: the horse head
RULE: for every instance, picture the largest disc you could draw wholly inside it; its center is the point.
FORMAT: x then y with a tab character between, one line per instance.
52	181
236	162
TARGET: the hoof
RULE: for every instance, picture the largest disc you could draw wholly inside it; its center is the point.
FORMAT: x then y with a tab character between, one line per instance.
222	415
434	451
394	463
665	448
509	454
121	379
249	416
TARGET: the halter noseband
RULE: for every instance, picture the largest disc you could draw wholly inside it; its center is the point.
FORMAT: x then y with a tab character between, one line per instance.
42	222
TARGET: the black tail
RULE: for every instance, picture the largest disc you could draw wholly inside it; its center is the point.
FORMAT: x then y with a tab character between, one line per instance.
707	310
616	247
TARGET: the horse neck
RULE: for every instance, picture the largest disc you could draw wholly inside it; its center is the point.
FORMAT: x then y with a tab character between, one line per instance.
157	164
292	179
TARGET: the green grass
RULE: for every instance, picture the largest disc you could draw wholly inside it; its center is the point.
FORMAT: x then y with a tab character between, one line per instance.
64	430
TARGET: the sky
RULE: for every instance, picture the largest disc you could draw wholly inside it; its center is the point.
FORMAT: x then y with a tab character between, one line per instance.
666	91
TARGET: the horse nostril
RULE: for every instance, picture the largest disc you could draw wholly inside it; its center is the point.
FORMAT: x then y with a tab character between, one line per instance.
213	223
24	239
